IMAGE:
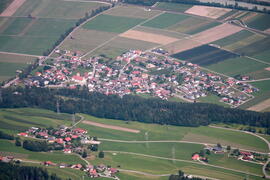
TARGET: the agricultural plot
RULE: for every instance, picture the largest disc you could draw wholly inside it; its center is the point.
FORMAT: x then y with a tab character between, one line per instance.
12	7
115	24
122	44
261	106
205	55
132	11
206	11
264	56
237	66
193	25
148	37
14	26
261	22
84	40
57	8
173	6
165	20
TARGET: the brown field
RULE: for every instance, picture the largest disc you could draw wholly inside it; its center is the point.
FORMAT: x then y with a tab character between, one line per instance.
210	12
149	37
216	33
267	69
111	127
12	8
261	106
248	17
181	45
267	30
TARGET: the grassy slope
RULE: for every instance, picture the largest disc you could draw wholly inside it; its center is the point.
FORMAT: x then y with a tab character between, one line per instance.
116	24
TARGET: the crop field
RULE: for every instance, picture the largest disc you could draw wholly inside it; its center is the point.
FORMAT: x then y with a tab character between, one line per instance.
57	8
165	20
205	11
108	23
193	25
260	22
264	56
14	26
132	12
86	40
205	55
173	6
235	66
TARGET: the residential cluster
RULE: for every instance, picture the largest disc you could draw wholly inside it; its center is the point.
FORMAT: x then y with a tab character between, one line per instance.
138	72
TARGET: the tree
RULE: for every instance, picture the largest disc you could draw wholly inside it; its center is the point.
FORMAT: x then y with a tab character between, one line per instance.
228	148
201	153
181	173
94	147
101	154
18	142
208	152
219	145
84	154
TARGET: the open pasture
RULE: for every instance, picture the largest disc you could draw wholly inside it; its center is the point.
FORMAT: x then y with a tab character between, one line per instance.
11	58
8	69
14	26
264	56
205	55
86	40
132	11
165	20
206	11
173	6
115	24
236	66
149	37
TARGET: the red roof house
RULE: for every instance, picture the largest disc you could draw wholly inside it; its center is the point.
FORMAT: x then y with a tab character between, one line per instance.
67	139
196	157
23	134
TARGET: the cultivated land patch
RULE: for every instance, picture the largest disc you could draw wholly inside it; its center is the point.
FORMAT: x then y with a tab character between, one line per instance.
165	20
149	37
86	40
261	106
205	55
216	33
118	128
14	26
132	11
236	66
12	8
173	6
206	11
116	24
261	22
12	58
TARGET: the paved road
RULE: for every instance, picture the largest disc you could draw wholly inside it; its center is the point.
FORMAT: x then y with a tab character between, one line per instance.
180	160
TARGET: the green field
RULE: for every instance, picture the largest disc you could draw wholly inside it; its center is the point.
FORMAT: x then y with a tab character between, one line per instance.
165	20
173	6
56	9
211	98
235	66
15	26
11	58
260	22
264	56
116	24
132	11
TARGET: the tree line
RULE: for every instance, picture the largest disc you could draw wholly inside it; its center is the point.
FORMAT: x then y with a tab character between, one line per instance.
10	171
130	108
181	176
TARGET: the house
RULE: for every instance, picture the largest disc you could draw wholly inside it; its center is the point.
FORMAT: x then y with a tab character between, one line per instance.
76	166
51	139
74	137
59	141
196	157
67	151
67	139
48	163
23	134
79	131
63	165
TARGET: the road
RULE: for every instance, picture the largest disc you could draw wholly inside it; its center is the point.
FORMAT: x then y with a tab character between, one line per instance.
180	160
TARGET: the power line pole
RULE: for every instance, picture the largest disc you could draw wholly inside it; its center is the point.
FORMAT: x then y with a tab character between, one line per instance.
73	119
146	139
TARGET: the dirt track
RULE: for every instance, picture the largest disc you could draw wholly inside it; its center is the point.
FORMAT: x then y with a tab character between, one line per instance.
149	37
12	8
111	127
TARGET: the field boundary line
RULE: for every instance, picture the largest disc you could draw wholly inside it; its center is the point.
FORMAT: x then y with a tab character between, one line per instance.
20	54
181	160
118	35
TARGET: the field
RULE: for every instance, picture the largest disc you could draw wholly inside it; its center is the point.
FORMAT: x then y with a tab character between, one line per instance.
173	6
205	55
235	66
210	12
165	20
115	24
12	7
260	22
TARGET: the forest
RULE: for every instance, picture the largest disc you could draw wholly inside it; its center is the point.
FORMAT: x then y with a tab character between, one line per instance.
129	107
10	171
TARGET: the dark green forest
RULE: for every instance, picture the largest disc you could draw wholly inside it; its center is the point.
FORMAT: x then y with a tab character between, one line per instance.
130	108
10	171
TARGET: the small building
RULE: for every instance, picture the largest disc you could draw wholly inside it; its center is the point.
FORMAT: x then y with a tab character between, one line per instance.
196	157
23	134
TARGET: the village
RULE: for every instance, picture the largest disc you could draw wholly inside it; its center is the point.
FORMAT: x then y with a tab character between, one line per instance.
137	72
69	140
